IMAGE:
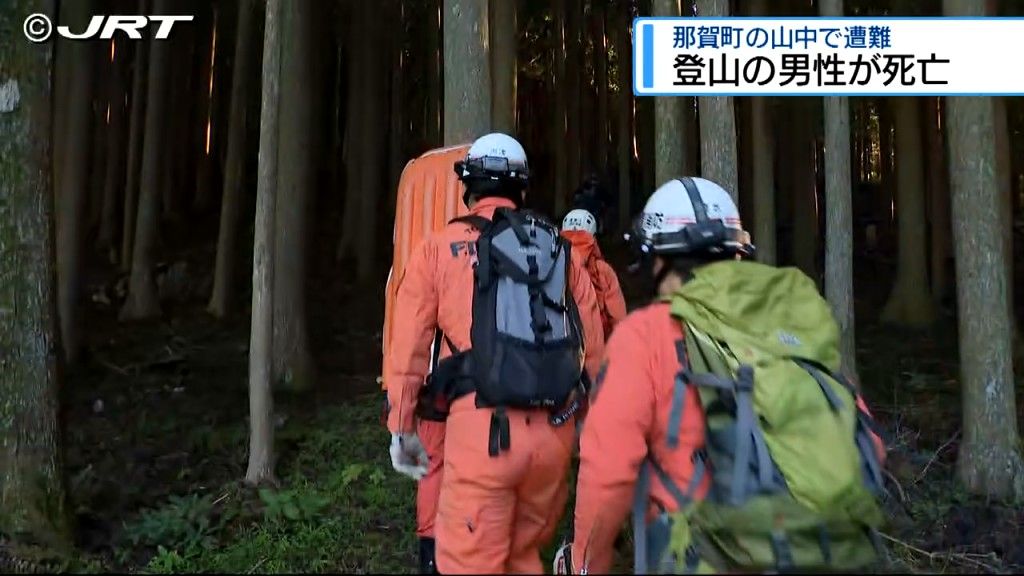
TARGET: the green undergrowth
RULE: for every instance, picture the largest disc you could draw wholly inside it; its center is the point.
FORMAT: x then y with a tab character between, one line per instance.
338	508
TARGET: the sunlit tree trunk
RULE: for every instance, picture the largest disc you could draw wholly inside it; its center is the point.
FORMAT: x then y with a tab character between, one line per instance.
142	301
221	301
293	363
718	124
261	401
134	164
909	302
71	198
33	502
668	119
839	213
504	47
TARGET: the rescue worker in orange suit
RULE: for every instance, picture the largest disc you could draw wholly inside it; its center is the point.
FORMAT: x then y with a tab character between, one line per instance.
580	227
630	403
494	513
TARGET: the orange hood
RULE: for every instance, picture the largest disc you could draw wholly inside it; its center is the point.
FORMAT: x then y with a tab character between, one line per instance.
583	244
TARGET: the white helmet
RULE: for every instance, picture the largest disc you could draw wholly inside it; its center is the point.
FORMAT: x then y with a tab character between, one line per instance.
690	216
580	219
495	156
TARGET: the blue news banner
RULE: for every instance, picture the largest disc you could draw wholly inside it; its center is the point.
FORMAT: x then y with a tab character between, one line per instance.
944	56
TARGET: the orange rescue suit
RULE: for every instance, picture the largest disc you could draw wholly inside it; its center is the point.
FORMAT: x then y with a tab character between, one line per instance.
609	293
629	415
493	513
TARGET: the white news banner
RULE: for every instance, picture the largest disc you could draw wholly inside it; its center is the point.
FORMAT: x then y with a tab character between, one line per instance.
827	56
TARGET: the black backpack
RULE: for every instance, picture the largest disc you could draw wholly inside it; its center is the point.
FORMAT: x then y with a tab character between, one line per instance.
527	345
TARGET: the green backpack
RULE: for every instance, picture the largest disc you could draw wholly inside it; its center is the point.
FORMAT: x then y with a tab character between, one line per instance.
795	480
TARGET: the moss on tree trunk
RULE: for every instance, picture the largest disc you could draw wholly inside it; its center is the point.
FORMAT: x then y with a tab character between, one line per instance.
33	504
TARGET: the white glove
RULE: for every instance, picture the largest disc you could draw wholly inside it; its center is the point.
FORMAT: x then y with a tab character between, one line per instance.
562	564
408	456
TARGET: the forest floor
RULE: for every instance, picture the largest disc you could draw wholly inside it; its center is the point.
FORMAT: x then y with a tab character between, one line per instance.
157	435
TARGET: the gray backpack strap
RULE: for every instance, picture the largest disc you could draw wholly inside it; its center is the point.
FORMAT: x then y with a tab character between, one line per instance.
640	498
644	554
833	400
749	443
675	418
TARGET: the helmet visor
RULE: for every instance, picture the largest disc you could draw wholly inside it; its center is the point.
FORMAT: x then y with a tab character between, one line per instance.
496	165
710	237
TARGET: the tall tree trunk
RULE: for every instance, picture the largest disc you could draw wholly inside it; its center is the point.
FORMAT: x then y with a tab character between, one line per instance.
805	209
839	213
763	149
718	124
351	145
113	185
886	192
467	88
573	82
204	157
293	363
397	130
142	301
909	303
621	34
134	165
261	401
221	301
1004	176
33	503
74	183
762	146
668	117
938	187
63	64
559	89
587	100
598	19
989	461
435	73
97	151
178	123
184	162
504	48
372	147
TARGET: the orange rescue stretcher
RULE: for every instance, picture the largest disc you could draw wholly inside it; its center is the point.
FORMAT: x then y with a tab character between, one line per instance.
429	196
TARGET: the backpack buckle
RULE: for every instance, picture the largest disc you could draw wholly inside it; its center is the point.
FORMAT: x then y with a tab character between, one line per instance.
745	379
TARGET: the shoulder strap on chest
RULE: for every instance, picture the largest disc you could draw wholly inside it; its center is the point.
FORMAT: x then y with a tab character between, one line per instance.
474	220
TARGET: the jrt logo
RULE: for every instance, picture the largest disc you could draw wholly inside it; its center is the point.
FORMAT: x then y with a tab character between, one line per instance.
39	27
